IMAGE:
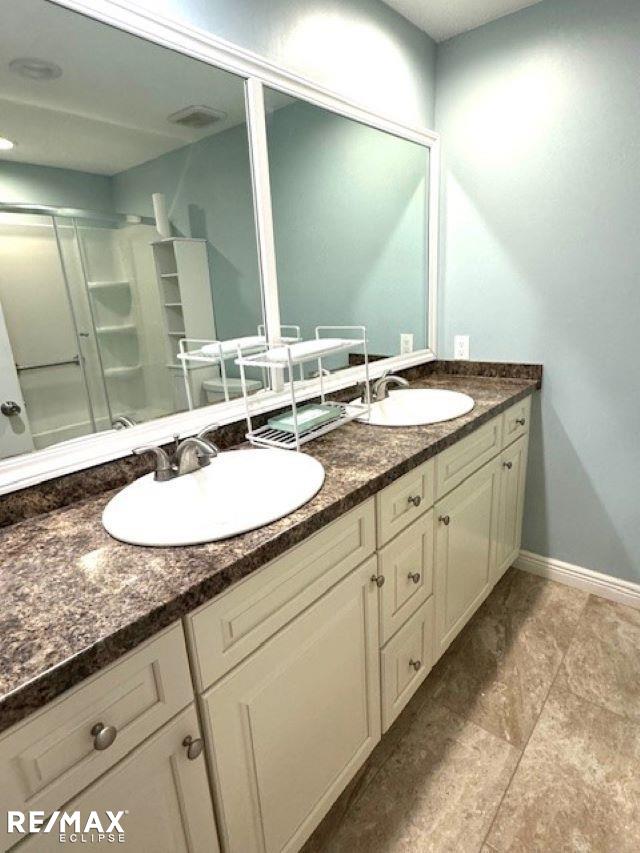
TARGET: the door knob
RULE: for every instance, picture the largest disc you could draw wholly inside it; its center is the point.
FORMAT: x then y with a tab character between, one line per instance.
414	576
444	519
10	408
378	580
103	736
416	664
521	421
508	465
194	747
416	500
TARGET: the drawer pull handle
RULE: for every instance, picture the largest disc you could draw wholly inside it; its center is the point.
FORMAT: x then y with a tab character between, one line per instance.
444	519
378	580
521	421
414	576
416	500
103	736
508	465
194	747
416	664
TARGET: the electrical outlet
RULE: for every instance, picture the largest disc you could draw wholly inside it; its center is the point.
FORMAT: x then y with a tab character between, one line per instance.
461	347
406	342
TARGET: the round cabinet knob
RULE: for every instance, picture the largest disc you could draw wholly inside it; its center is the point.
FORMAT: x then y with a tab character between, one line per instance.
416	500
415	664
103	736
521	421
10	408
444	519
194	747
378	580
508	465
414	576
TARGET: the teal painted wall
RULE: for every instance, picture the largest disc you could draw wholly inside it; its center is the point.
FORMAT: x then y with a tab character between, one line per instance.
31	184
208	193
359	48
337	262
540	118
350	226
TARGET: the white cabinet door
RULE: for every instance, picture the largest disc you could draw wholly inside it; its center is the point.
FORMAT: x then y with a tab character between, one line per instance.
512	483
291	724
466	533
164	794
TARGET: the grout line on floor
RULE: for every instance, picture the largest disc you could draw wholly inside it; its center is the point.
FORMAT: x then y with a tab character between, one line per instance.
534	727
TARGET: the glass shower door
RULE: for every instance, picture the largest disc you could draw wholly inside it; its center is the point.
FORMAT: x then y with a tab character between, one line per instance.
42	331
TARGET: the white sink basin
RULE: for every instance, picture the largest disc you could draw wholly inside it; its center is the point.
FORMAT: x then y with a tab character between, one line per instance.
239	491
416	406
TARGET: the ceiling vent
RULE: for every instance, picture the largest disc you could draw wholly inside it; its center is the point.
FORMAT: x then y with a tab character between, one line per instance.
197	117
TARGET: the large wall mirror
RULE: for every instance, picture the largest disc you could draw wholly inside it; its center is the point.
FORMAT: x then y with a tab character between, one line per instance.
93	299
138	189
350	214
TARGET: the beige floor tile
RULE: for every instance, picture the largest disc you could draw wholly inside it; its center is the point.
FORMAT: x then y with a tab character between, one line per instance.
500	671
603	661
577	787
438	791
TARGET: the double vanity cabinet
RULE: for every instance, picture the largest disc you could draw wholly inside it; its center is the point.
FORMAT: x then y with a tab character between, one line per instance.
274	693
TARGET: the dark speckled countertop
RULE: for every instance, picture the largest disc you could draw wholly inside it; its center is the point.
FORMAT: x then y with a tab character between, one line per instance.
72	599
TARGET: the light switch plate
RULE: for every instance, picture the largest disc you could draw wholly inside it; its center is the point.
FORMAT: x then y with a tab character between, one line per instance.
461	347
406	342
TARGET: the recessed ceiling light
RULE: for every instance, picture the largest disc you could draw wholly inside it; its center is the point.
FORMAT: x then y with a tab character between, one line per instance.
5	144
35	69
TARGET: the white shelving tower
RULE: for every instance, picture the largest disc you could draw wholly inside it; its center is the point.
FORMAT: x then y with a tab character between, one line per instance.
182	271
287	357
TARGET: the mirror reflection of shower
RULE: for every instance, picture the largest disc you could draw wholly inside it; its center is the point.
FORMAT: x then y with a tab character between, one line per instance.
81	337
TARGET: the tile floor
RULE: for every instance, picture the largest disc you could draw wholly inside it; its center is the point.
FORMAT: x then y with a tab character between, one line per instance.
524	737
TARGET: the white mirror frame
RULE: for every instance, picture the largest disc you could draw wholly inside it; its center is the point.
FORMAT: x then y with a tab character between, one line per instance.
29	469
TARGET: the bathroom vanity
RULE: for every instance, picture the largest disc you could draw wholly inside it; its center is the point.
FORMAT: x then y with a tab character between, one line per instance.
262	669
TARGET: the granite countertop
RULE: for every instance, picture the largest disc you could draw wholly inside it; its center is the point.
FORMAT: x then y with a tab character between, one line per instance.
72	599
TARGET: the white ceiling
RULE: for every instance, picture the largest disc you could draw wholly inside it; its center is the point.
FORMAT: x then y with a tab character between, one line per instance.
443	19
108	111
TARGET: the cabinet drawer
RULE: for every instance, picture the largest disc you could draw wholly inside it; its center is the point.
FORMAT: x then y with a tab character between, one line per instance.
405	662
407	566
225	631
403	501
516	421
164	795
51	756
459	461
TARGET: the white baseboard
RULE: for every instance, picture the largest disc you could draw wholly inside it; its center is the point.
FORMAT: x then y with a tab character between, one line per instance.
623	592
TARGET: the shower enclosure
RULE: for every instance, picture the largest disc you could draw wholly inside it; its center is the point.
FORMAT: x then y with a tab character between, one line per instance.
80	324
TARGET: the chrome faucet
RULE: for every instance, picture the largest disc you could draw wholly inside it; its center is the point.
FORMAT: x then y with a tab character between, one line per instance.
123	422
164	467
380	388
191	454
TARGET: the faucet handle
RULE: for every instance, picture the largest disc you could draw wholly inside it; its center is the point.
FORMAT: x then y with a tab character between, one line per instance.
164	468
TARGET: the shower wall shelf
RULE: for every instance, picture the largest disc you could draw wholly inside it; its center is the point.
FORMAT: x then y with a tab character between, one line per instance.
287	357
98	285
129	328
123	372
